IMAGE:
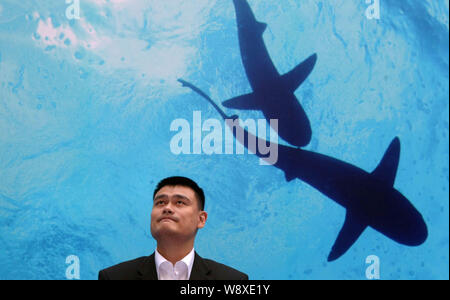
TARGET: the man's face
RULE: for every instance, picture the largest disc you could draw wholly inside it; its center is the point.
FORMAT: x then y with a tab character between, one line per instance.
176	213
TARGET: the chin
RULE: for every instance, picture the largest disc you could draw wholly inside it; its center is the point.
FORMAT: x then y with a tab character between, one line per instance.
164	231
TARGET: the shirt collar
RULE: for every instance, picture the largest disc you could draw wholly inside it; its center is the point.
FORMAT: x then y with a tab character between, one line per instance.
188	260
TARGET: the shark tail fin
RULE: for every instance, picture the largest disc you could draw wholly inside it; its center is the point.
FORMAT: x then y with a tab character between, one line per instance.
387	169
293	79
348	235
244	102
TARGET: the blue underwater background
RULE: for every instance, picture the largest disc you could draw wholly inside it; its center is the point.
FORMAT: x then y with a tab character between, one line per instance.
86	107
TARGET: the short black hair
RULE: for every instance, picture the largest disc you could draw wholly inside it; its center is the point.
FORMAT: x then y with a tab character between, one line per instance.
182	181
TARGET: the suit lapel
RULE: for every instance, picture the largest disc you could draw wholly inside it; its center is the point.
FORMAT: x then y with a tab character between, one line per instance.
200	270
147	270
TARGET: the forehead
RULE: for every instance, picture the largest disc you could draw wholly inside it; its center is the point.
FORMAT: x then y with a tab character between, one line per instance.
170	190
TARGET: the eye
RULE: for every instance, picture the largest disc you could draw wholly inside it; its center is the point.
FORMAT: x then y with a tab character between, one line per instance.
180	202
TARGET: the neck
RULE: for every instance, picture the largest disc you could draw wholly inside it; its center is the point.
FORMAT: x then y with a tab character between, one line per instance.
174	252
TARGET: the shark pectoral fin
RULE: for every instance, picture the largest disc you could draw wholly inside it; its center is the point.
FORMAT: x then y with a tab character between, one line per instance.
293	79
387	168
262	27
247	102
348	235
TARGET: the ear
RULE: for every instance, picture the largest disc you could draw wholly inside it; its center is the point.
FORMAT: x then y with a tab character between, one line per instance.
202	216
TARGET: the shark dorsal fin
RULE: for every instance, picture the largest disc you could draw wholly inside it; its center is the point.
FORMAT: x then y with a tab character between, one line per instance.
288	176
348	235
387	169
289	172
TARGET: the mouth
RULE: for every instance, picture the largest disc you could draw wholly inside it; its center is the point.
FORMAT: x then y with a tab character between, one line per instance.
167	219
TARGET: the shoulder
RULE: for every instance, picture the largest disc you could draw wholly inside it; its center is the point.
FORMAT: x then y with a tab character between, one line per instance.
223	272
127	270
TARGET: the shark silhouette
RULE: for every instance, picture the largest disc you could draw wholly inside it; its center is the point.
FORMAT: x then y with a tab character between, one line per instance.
369	198
273	94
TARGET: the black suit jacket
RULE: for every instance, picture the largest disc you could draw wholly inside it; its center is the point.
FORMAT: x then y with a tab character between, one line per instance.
144	268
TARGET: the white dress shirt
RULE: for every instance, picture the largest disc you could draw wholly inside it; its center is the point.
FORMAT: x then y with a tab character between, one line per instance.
181	271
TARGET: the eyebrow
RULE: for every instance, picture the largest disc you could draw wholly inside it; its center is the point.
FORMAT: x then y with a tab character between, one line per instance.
176	196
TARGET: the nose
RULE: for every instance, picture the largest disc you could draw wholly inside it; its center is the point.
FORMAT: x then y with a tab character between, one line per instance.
167	210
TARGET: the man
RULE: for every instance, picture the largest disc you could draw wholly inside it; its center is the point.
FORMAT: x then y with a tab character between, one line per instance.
177	214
